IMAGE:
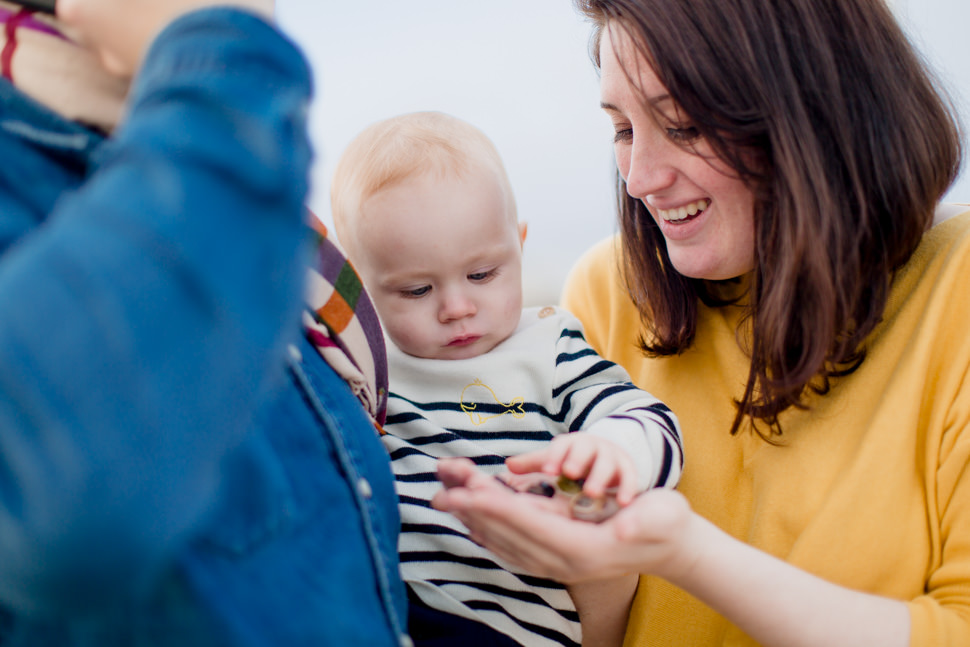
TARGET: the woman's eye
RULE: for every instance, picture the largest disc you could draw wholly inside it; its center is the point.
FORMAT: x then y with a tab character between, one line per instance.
683	135
416	292
623	135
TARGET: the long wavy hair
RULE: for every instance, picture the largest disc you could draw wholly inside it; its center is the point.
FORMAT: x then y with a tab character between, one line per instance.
829	116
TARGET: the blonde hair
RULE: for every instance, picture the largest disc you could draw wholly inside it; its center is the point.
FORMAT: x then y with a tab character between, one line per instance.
407	146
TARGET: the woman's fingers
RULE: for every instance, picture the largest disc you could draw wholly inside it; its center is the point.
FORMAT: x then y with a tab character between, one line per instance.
531	461
455	472
518	528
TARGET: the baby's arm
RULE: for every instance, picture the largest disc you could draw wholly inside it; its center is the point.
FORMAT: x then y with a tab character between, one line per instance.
597	398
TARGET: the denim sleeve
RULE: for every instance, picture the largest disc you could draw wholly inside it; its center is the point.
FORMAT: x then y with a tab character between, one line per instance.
144	318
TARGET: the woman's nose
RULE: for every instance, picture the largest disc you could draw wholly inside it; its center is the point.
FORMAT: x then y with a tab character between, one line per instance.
649	169
455	305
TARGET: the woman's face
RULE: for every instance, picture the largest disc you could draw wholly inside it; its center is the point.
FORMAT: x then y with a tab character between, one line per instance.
705	212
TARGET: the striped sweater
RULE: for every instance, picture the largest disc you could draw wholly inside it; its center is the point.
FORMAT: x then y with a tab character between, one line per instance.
542	381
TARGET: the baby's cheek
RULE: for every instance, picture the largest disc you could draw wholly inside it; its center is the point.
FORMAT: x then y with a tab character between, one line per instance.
405	337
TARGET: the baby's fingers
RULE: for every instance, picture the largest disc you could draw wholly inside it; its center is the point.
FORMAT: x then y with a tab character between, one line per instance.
613	470
603	473
628	486
579	459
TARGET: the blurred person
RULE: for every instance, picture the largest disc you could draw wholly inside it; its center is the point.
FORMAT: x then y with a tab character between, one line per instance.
178	464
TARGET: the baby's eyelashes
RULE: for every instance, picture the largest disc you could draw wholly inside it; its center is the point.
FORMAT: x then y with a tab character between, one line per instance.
415	293
483	275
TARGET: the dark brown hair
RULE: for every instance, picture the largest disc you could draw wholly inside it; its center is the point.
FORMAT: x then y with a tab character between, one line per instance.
826	112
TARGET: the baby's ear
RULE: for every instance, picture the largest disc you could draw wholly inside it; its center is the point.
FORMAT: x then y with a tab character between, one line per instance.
523	230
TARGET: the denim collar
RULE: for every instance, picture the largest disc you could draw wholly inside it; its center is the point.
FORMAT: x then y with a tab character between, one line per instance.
31	121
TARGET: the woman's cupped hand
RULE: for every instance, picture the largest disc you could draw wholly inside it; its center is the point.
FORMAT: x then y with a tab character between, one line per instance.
650	535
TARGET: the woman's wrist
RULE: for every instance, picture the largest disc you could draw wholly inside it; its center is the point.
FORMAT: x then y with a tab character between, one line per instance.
662	535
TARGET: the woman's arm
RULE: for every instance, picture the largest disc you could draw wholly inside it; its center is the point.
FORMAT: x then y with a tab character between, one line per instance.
774	602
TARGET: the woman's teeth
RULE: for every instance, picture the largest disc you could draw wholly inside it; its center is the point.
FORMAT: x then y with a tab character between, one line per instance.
682	213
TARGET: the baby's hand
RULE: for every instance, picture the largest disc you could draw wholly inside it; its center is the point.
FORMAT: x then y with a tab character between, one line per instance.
595	462
563	495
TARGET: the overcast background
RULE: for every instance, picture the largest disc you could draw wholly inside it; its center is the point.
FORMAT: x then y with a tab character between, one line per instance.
520	71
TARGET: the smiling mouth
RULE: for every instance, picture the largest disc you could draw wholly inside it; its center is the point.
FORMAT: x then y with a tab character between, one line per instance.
686	212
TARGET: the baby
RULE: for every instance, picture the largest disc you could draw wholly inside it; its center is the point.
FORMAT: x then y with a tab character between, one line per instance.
424	209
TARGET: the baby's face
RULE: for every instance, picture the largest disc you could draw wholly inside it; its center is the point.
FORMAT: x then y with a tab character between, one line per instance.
442	260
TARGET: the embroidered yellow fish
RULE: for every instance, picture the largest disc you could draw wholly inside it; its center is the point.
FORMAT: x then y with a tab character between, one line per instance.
516	407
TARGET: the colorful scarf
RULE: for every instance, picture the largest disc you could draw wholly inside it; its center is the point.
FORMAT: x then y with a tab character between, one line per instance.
341	322
39	57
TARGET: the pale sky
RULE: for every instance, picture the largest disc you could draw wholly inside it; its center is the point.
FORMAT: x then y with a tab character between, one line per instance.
520	71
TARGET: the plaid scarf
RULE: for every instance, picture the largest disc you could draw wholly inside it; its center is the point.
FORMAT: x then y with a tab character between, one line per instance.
340	321
45	63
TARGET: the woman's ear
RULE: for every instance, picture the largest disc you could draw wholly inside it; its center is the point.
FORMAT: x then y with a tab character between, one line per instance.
523	230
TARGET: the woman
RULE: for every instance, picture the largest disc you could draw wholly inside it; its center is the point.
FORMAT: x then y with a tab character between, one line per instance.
779	284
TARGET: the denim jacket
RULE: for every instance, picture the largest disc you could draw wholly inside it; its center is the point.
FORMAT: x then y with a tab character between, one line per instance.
177	466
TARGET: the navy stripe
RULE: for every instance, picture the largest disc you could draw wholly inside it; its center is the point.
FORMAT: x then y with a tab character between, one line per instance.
427	406
603	394
477	562
481	461
431	529
663	412
441	556
534	628
419	477
411	500
403	418
521	596
665	468
598	367
572	333
422	440
404	452
458	434
485	564
666	423
563	358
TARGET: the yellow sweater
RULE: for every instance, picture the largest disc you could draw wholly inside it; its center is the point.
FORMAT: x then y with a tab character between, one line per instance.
871	486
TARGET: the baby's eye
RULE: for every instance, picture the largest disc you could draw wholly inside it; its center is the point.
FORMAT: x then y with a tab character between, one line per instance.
683	135
484	275
415	293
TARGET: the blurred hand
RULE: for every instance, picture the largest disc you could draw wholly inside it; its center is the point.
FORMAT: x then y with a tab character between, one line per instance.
120	31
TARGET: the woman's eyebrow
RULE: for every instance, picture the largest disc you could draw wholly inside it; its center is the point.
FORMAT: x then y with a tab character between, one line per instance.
654	101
